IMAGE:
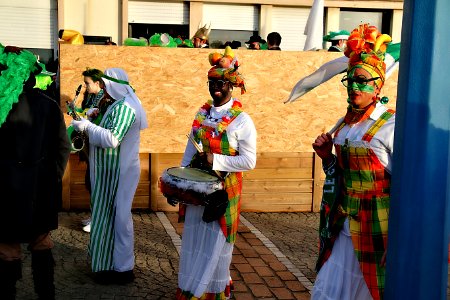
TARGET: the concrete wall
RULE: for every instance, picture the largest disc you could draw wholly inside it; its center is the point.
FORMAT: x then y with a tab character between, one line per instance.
110	17
92	17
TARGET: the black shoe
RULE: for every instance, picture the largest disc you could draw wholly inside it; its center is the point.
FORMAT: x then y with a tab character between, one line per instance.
104	277
123	277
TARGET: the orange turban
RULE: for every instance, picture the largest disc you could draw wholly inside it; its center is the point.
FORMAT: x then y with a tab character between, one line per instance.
366	48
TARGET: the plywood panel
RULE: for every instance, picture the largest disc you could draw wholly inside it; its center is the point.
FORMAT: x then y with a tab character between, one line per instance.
171	84
274	186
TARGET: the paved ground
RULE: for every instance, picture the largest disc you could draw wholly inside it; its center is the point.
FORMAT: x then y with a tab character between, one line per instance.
273	258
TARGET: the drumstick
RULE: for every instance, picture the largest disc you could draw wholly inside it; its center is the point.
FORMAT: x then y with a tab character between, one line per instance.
191	139
335	127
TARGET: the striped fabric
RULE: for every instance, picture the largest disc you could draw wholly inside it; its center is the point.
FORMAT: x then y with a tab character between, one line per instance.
366	200
233	183
105	181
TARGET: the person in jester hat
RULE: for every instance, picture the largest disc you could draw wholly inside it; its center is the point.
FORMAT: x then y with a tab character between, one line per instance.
228	137
355	205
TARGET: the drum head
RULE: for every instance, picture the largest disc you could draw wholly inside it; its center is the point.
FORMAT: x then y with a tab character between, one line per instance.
191	174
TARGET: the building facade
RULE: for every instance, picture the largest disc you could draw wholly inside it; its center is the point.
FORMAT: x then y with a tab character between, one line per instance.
35	23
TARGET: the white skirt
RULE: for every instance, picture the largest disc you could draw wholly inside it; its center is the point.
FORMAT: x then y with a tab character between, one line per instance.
205	255
341	277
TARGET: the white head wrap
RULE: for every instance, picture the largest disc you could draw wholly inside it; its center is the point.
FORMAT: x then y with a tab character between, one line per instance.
119	90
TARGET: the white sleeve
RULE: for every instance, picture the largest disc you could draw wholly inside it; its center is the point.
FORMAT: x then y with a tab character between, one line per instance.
101	137
242	132
382	143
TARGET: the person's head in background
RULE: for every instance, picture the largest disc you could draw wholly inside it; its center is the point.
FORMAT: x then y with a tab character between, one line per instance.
273	41
93	80
338	40
200	38
255	42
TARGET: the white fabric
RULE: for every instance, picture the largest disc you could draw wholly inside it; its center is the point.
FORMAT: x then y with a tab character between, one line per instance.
241	135
323	74
205	255
328	71
382	143
340	37
123	255
101	137
314	27
341	277
117	91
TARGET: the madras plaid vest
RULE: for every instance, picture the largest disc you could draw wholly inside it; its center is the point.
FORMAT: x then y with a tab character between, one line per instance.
366	190
233	183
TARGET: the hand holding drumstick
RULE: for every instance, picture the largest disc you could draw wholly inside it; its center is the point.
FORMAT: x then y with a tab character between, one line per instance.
323	144
209	156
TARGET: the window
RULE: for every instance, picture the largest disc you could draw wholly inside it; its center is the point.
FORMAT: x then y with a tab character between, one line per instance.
351	18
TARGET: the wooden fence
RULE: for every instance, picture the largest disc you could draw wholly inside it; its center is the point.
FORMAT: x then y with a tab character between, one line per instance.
281	182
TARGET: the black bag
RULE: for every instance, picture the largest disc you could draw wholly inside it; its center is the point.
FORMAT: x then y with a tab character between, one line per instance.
216	205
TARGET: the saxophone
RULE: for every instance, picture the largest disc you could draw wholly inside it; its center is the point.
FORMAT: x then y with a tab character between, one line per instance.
79	140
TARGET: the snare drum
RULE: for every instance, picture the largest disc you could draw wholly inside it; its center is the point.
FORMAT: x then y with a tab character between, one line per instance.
188	185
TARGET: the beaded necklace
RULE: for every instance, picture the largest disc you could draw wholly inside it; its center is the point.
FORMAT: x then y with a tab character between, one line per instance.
210	132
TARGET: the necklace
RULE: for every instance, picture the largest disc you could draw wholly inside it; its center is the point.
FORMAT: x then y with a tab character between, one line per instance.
211	132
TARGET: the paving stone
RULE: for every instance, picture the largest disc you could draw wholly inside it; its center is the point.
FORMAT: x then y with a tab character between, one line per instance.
251	278
282	293
286	275
295	286
244	268
273	281
260	290
264	271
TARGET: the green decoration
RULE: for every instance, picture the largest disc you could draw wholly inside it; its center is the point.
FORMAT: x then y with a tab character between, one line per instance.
135	42
18	70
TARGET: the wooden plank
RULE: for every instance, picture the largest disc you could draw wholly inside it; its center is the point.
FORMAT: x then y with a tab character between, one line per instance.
284	162
291	198
277	185
140	202
317	186
66	188
143	189
154	177
254	207
279	173
284	154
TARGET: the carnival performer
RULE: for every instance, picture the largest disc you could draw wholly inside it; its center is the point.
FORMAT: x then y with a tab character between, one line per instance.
90	107
355	205
33	158
228	137
115	171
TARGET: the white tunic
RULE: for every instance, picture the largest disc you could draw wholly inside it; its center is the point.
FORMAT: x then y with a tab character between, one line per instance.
205	255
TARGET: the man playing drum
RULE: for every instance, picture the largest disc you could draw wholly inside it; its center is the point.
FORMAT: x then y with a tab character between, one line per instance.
228	137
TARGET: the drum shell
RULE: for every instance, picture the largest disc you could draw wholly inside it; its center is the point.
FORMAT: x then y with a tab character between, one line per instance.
188	191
